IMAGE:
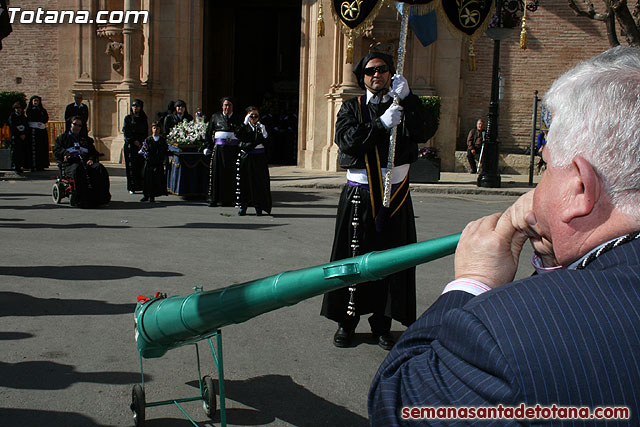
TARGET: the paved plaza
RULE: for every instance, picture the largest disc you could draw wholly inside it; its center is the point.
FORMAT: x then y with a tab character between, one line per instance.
69	279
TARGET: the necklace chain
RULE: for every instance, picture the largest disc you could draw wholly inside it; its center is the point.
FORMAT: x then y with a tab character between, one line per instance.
613	244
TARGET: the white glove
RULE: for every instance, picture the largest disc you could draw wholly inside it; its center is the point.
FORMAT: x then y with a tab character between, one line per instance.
400	86
263	129
392	116
206	152
246	118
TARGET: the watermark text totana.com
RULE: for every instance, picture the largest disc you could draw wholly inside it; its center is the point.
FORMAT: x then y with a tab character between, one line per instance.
42	16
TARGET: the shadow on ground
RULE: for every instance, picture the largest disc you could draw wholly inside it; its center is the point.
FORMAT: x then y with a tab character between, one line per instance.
82	272
33	417
279	397
15	304
47	375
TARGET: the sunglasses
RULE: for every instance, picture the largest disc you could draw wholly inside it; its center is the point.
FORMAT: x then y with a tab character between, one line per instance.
135	105
370	71
77	124
253	116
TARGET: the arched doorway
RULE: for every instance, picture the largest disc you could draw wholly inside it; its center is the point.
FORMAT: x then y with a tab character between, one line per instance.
252	52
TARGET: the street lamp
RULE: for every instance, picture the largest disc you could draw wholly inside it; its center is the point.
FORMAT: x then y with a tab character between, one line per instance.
489	174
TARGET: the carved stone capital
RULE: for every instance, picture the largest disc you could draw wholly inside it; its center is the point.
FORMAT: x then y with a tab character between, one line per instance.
115	44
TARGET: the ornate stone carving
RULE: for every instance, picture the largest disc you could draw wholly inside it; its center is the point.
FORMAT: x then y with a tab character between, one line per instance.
115	44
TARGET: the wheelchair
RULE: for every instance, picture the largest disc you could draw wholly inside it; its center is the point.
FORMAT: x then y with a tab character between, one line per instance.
63	187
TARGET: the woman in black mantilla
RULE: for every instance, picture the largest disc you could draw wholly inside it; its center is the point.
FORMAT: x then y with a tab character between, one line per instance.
362	133
253	186
19	127
135	129
37	147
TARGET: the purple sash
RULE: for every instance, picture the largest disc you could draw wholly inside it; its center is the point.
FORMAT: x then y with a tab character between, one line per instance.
223	141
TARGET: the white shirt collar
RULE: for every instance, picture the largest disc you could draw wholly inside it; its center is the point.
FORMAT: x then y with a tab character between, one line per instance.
371	98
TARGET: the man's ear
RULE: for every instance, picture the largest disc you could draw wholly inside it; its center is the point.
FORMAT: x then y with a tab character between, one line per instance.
583	190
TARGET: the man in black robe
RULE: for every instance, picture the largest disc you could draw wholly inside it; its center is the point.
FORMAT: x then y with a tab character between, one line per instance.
362	225
222	144
78	159
77	109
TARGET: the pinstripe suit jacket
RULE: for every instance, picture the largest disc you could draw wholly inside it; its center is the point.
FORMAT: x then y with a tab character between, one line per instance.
569	337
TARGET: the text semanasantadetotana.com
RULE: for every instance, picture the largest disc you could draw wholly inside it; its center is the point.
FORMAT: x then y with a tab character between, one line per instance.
521	412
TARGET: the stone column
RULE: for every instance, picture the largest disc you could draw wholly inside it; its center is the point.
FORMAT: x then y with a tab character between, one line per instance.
131	54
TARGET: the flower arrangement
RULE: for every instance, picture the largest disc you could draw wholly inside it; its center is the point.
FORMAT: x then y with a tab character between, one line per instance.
188	133
429	153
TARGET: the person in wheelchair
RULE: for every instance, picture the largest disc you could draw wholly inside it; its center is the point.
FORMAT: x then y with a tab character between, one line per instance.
78	161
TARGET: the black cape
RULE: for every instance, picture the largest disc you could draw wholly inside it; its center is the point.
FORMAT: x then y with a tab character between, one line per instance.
135	130
155	183
254	182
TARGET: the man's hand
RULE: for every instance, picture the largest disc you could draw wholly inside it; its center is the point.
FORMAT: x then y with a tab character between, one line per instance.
523	219
89	162
489	250
392	117
400	86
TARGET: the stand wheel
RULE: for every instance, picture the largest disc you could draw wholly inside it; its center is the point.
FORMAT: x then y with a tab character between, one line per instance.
56	193
138	405
208	397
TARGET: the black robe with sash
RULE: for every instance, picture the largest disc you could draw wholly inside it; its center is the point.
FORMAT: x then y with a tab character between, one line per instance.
222	166
37	147
364	144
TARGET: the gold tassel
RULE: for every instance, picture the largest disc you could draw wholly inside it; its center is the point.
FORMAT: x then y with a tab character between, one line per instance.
472	57
523	33
350	48
320	20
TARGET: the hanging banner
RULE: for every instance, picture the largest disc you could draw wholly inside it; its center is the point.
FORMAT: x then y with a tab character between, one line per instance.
356	14
468	18
354	17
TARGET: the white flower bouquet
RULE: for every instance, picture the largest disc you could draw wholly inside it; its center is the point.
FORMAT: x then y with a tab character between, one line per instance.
185	133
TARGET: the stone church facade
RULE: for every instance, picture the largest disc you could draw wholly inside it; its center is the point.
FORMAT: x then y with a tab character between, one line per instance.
269	54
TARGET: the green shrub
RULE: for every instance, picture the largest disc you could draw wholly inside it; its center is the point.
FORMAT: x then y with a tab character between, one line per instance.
432	105
7	99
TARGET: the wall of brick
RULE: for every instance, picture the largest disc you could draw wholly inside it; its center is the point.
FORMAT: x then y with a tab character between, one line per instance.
30	52
557	40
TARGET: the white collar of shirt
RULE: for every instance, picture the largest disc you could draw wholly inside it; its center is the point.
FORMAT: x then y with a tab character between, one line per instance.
78	105
372	99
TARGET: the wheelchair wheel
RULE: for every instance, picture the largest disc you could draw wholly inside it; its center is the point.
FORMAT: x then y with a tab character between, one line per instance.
208	397
137	405
57	193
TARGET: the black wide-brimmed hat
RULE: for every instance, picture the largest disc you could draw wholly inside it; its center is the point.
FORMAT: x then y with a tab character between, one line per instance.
359	68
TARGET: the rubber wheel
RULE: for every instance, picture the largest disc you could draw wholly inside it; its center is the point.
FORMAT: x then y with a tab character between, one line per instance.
56	193
208	397
138	405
